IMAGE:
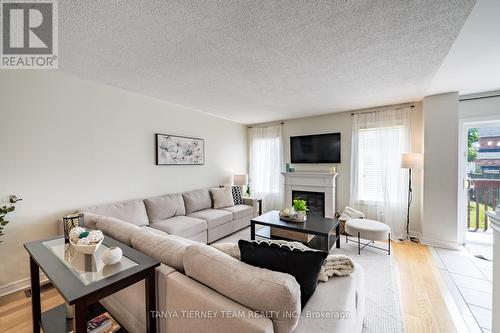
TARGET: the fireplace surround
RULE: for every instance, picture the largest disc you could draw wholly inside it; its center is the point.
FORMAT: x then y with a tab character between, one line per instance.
315	182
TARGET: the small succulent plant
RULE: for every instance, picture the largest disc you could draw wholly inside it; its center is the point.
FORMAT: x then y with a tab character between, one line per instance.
5	210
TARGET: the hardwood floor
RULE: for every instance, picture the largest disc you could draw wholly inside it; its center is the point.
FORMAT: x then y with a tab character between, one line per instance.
426	303
424	297
15	310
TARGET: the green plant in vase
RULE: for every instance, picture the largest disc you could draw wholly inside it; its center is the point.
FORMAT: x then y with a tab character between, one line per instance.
300	206
5	210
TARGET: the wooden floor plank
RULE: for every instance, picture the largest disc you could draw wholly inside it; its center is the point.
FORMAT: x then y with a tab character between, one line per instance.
422	290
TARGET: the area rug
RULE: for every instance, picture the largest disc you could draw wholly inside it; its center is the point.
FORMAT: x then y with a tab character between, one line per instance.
383	306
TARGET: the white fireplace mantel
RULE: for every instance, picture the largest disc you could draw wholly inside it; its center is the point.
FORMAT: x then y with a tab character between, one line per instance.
321	182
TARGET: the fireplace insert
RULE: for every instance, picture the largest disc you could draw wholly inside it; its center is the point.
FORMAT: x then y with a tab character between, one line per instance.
315	201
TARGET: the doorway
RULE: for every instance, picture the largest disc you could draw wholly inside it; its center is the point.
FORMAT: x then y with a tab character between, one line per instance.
480	176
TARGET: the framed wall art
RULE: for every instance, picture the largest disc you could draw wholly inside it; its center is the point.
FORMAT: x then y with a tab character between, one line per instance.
179	150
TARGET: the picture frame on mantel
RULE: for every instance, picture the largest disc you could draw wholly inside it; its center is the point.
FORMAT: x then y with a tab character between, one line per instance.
179	150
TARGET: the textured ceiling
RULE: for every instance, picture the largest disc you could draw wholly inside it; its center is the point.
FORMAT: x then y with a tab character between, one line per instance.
256	61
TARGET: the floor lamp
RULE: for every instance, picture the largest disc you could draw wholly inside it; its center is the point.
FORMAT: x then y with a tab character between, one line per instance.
410	161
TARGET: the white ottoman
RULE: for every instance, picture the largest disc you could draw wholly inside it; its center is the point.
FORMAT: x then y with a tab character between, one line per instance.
370	230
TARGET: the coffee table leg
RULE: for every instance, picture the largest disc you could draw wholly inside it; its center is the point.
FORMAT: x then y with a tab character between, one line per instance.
35	295
327	243
252	230
80	319
150	301
337	235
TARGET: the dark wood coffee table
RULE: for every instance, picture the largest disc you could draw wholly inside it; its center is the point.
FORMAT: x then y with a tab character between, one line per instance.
83	280
326	230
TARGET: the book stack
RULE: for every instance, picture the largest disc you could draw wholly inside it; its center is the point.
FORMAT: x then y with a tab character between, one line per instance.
103	323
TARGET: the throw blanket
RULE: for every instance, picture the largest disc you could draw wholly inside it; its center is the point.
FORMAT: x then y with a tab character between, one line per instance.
336	264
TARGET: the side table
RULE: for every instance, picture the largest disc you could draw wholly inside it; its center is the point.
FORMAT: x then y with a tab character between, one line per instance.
83	280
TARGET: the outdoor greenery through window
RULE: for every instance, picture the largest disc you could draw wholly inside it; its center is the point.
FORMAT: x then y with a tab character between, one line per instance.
483	174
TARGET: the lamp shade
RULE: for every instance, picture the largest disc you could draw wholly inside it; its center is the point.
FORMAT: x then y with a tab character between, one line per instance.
412	161
240	180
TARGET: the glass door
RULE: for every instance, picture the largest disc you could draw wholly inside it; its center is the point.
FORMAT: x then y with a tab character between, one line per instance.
481	174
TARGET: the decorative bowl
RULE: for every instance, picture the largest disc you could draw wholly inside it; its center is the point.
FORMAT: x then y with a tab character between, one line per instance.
86	249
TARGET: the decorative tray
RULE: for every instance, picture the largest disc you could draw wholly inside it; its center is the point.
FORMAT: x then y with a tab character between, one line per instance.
295	219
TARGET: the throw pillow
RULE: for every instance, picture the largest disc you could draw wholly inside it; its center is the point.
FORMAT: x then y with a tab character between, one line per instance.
222	196
303	264
237	197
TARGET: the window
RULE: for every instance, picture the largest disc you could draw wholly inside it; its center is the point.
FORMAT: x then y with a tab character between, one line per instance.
265	159
266	164
373	161
379	186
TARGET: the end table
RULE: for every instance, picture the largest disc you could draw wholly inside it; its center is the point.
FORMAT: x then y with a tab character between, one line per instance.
83	280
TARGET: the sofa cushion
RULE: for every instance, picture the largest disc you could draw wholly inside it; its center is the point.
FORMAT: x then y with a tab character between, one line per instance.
156	231
301	262
120	230
196	200
183	226
231	249
349	299
214	217
90	219
222	196
276	293
240	211
132	211
167	249
164	206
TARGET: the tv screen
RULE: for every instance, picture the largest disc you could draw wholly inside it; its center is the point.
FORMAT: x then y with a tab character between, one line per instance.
320	148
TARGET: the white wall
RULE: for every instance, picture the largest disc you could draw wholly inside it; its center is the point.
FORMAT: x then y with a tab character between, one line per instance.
67	143
440	195
480	109
342	122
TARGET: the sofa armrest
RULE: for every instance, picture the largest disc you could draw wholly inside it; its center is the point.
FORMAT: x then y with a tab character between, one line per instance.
129	308
274	293
252	202
193	307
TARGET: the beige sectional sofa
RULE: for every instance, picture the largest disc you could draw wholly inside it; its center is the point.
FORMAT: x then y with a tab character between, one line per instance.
189	215
201	289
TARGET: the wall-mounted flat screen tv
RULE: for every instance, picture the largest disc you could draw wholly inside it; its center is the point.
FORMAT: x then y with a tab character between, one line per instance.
319	148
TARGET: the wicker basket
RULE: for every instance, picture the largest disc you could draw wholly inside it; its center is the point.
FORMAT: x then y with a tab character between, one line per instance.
291	235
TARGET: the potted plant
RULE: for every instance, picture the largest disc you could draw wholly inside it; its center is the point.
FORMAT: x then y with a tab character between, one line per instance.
4	210
300	206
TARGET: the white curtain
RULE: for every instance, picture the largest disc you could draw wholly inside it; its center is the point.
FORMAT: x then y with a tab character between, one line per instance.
378	184
265	165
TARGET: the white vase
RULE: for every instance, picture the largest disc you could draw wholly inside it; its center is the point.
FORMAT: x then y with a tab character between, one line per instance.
112	255
301	216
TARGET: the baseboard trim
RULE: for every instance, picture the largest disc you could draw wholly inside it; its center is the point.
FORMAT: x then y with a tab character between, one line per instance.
416	234
439	243
19	285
